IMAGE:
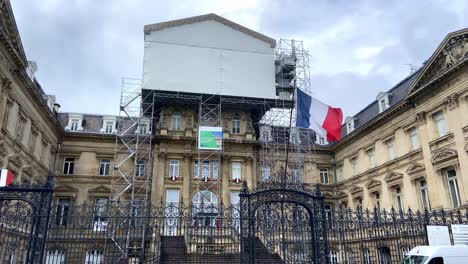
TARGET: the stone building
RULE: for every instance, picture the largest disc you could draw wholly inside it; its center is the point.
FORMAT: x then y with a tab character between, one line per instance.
407	149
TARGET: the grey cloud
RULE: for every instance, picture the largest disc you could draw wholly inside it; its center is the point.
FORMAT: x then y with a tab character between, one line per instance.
83	48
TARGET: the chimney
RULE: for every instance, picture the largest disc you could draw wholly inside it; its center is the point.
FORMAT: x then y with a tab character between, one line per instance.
56	107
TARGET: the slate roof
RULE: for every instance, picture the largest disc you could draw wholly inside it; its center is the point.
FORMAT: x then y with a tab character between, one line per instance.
92	123
222	20
397	94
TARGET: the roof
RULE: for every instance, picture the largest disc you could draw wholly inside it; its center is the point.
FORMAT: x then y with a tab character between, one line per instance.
214	17
397	94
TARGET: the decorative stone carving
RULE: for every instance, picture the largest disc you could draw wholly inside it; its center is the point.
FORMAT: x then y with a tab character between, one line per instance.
393	178
452	101
249	128
443	155
421	118
374	186
466	147
454	53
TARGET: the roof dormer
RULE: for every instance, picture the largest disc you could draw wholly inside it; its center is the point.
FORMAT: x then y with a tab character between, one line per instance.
383	99
108	125
75	122
350	124
143	127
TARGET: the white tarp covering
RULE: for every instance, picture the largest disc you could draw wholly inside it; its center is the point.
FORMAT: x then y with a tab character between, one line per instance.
208	57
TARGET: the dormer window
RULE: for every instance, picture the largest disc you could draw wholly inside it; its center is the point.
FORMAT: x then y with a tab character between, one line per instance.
75	122
108	124
320	140
295	136
143	127
265	134
384	101
350	124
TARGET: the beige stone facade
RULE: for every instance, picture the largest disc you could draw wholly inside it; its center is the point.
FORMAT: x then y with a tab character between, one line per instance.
408	149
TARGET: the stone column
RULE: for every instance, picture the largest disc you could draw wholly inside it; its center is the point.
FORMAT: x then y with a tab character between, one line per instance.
158	179
225	179
186	179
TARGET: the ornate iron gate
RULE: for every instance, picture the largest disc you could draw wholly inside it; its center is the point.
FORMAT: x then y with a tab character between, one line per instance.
24	217
289	224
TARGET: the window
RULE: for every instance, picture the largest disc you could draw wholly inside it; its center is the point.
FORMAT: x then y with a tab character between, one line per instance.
385	257
424	194
399	198
69	166
236	170
367	257
413	132
172	196
236	124
44	151
354	164
371	155
453	187
377	200
265	134
235	199
266	170
55	256
437	260
100	214
109	128
215	169
104	167
391	149
143	129
383	100
20	128
208	198
296	173
6	116
173	169
383	105
205	169
140	168
334	258
350	256
176	120
359	203
63	207
33	141
295	136
75	123
350	124
329	213
324	176
439	120
196	169
94	256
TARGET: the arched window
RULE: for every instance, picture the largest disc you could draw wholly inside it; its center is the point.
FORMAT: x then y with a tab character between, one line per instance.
384	254
334	257
94	256
207	215
55	256
176	120
366	256
236	124
350	256
207	197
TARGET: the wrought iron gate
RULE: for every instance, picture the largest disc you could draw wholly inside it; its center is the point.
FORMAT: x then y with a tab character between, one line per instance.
24	217
289	224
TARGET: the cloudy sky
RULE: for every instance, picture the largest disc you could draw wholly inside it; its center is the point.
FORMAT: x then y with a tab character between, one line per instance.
358	48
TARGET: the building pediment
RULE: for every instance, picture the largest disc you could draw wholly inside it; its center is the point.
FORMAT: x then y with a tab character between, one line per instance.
416	170
99	190
450	55
65	189
356	191
342	195
443	155
374	186
393	179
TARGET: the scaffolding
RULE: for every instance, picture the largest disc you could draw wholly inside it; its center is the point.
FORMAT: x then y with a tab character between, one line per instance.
286	152
132	177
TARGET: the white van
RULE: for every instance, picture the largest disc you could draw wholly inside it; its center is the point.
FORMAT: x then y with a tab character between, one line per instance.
437	255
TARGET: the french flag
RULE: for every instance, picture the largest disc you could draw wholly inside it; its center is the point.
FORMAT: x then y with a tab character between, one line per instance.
323	119
6	177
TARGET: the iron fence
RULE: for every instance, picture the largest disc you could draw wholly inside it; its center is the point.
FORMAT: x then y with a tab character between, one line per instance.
124	233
